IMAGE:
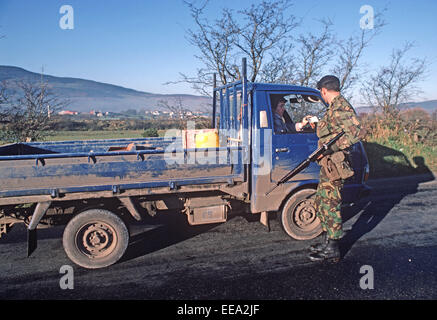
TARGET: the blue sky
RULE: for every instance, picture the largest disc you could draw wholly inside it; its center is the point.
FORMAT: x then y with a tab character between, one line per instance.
142	44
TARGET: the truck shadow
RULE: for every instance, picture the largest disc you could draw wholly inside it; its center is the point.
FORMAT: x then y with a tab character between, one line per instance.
386	194
157	233
386	162
171	228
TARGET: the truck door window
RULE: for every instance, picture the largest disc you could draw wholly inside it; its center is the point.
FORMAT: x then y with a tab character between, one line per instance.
289	109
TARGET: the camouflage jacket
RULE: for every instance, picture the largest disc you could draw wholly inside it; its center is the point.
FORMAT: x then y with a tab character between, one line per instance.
340	116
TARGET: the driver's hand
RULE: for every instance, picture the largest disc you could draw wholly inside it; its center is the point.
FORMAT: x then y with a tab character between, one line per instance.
306	120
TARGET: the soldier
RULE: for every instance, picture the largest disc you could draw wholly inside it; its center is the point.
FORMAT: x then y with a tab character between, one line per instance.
340	116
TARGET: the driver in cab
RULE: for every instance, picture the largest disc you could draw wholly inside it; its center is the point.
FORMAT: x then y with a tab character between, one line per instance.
282	121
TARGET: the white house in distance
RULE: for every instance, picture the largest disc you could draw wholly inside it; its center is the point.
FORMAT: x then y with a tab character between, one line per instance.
68	112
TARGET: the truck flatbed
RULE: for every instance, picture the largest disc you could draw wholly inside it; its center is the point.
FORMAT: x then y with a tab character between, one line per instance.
59	169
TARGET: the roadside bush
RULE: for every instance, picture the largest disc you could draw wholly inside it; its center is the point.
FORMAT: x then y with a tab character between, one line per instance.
150	132
413	133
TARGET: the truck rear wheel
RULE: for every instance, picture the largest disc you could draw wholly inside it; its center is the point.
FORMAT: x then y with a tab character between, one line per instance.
95	238
298	216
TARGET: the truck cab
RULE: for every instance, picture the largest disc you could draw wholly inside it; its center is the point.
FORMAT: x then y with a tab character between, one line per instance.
272	154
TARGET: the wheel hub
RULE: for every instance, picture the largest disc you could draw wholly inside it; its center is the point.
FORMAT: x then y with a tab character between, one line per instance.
96	240
305	214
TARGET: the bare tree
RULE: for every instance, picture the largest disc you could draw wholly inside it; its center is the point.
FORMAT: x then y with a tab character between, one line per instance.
264	33
25	110
348	53
265	28
396	82
281	67
303	63
214	40
253	32
177	109
314	53
3	103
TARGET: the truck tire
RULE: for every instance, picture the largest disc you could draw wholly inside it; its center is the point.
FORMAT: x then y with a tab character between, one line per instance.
95	238
298	216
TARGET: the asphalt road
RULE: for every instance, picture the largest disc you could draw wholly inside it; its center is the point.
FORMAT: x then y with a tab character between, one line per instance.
392	236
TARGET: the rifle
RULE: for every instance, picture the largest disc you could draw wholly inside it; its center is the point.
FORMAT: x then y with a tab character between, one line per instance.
311	158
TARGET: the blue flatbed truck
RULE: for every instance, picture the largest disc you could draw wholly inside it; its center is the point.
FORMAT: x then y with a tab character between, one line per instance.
81	183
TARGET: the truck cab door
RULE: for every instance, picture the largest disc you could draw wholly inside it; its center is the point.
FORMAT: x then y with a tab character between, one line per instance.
290	148
275	154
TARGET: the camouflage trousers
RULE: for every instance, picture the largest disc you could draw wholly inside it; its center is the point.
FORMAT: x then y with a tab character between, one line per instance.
328	205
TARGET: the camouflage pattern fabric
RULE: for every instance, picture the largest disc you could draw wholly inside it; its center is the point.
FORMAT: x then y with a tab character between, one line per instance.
328	205
339	116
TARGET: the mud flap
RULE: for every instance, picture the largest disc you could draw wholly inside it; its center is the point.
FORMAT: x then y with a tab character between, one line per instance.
31	241
128	203
40	211
264	219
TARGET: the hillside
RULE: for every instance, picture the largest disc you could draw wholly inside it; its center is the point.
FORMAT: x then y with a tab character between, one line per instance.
429	106
87	95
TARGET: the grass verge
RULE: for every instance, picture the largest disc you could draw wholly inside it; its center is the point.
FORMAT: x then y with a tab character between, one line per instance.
390	158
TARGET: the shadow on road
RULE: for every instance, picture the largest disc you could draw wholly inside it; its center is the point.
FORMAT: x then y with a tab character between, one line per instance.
386	194
170	228
157	233
386	162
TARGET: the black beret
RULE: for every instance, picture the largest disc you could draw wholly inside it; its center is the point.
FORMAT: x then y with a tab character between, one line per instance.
329	82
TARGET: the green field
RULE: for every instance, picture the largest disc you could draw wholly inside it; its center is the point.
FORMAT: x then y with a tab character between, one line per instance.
94	135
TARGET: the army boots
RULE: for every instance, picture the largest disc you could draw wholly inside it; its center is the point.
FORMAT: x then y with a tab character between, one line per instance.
330	252
320	246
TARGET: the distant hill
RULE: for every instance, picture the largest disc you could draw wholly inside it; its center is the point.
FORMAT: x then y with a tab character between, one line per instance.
87	95
429	106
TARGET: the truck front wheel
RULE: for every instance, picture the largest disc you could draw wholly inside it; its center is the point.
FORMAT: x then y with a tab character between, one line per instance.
298	216
95	238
